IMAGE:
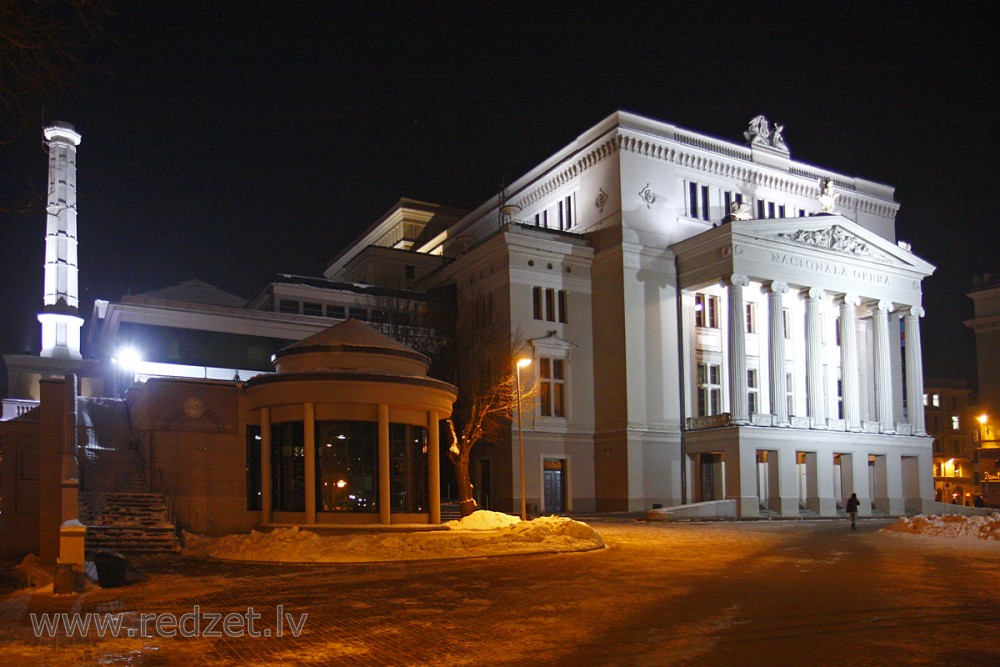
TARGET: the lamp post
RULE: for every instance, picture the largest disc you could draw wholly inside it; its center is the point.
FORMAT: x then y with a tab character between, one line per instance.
521	363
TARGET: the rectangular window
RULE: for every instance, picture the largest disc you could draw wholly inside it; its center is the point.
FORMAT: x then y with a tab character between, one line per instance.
770	209
706	311
925	399
954	422
568	204
936	400
760	209
802	213
709	389
358	314
751	317
790	393
549	304
836	332
698	201
562	217
840	398
536	297
338	312
561	303
786	323
313	309
753	391
552	373
288	306
781	211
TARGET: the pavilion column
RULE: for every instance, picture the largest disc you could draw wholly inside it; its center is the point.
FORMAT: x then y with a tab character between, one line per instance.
309	428
384	495
266	504
738	403
814	357
914	370
434	464
883	366
849	379
776	351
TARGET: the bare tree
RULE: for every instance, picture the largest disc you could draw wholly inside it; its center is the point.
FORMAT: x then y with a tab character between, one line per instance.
483	359
39	44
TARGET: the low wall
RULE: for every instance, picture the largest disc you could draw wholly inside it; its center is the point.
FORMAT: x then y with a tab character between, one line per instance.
711	509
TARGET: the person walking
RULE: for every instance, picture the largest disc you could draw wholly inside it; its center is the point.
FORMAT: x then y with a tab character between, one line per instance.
852	509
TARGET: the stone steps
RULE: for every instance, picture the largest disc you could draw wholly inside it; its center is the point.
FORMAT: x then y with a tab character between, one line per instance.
129	523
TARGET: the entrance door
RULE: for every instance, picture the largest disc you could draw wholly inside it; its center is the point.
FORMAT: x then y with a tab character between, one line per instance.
555	490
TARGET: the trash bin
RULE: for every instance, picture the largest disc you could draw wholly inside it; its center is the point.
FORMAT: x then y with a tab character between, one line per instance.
111	567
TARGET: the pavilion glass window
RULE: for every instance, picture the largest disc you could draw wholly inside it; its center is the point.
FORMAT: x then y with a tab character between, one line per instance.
347	474
288	471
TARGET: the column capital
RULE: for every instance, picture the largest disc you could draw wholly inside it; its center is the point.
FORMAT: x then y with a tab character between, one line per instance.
736	280
848	300
776	287
814	293
913	311
879	306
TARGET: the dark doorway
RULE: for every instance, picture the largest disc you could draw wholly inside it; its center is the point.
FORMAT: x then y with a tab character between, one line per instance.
555	487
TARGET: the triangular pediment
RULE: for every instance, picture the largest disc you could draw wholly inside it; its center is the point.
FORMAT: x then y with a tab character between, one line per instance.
831	233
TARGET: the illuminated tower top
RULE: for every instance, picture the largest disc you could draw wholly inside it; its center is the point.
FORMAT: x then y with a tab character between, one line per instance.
60	315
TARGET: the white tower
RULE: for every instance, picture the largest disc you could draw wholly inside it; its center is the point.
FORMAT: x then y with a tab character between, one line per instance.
60	314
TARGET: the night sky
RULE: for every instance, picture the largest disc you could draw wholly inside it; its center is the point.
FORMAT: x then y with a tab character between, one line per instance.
229	141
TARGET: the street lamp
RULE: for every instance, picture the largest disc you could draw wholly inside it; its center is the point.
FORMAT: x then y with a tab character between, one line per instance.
521	363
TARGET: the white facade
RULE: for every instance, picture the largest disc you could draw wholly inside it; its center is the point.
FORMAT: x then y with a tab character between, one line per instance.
784	393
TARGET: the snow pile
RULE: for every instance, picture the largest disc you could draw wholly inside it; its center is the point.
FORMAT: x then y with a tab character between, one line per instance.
473	536
950	525
484	520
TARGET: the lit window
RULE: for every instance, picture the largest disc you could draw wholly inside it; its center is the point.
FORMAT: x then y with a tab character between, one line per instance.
706	311
709	390
751	317
925	399
790	393
935	400
553	387
954	422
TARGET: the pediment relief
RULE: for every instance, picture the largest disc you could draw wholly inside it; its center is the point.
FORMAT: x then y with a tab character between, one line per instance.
839	239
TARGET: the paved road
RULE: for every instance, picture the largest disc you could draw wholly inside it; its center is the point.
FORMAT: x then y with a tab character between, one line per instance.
756	593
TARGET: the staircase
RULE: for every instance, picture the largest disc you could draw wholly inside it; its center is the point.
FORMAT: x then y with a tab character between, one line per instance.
129	523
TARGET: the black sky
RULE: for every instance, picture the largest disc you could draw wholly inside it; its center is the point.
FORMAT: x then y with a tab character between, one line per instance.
229	141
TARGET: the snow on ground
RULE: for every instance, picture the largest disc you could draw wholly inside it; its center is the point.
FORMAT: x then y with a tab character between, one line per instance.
951	525
483	533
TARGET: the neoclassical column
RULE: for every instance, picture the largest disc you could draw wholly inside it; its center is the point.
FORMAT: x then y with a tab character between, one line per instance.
883	366
849	379
265	466
738	403
384	495
814	357
776	351
914	370
309	450
434	464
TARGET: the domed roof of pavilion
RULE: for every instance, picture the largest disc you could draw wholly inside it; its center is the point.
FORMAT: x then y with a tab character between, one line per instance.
350	345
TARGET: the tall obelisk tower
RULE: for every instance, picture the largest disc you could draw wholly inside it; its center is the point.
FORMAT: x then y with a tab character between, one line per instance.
60	314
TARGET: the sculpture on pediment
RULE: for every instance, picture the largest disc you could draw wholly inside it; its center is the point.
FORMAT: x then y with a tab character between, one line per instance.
740	211
759	133
827	196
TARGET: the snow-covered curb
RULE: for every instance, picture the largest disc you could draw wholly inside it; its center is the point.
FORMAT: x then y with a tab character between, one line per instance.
483	533
950	525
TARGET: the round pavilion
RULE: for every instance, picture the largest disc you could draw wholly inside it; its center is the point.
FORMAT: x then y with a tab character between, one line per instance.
348	431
